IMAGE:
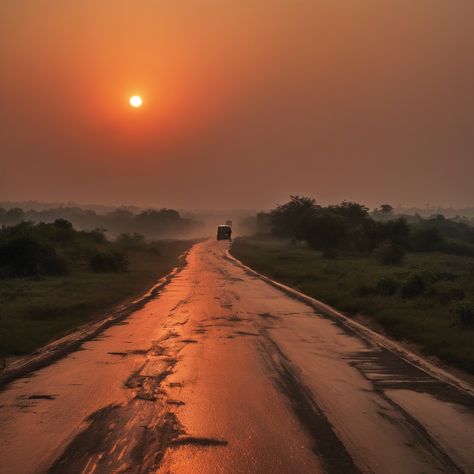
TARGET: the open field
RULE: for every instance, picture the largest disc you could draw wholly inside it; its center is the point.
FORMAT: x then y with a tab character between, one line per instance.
412	301
34	311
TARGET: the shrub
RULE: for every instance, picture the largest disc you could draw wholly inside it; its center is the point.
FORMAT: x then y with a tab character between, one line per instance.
364	290
464	311
387	286
130	240
433	277
446	292
287	220
414	286
154	248
326	233
104	262
3	351
63	230
427	240
352	212
25	256
96	236
390	254
455	248
395	231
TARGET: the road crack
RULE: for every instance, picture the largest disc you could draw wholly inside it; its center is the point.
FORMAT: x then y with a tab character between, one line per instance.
134	437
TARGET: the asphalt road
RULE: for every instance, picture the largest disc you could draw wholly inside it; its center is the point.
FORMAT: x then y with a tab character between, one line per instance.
221	372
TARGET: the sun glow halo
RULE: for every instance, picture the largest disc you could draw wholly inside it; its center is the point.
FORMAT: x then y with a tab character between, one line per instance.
136	101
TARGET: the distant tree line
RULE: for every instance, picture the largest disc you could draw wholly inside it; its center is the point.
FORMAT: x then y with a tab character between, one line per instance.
350	228
152	223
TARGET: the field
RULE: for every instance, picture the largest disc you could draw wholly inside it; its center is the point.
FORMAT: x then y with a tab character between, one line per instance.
413	301
36	310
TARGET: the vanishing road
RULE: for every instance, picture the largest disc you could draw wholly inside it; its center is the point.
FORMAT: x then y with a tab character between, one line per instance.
219	371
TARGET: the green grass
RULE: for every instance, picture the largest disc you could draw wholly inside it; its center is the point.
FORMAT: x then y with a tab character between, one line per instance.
35	311
350	284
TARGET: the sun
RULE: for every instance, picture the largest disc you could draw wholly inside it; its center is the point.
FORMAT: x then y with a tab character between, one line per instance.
135	101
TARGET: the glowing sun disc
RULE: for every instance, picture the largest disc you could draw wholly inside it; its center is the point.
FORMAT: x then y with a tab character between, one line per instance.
135	101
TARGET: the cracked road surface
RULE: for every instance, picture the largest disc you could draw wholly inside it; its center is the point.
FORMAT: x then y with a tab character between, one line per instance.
223	373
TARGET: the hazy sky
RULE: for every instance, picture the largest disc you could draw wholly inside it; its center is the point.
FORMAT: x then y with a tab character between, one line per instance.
245	101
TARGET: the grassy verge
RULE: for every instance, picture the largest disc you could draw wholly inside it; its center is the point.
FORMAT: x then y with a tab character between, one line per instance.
388	294
34	311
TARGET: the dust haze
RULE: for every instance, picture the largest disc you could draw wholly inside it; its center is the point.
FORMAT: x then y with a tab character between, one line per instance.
244	103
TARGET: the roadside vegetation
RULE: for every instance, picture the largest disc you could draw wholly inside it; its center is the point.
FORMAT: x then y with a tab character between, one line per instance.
154	223
415	279
54	278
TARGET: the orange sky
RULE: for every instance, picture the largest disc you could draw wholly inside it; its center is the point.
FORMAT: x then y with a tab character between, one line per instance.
244	102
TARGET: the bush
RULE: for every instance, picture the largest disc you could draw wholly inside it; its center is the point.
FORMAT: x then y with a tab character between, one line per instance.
25	256
387	286
364	290
63	230
3	351
131	240
464	311
414	286
395	231
326	233
427	240
352	212
390	254
446	292
287	219
96	236
104	262
154	248
434	277
455	248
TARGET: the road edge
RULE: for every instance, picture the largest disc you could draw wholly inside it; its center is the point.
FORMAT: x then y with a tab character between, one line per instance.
73	341
362	331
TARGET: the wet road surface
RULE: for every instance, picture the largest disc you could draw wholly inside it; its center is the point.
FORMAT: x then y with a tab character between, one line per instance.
222	373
